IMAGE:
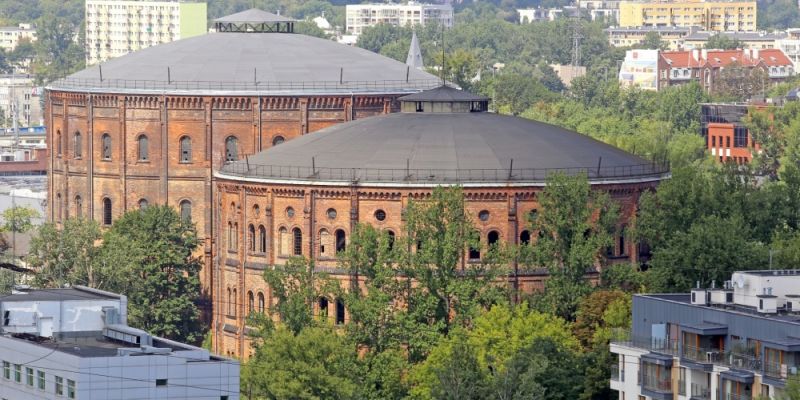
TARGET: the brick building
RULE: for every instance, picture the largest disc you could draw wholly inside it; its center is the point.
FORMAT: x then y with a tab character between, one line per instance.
151	126
305	197
727	138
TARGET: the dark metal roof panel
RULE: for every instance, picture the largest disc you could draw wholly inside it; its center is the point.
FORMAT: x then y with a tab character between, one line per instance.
253	15
439	141
249	61
443	93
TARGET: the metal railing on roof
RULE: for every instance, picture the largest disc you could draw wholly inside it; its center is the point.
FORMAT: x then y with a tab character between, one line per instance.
429	175
243	86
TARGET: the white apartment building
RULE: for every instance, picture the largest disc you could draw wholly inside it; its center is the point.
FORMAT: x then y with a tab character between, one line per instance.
360	16
74	343
117	27
11	35
734	342
19	94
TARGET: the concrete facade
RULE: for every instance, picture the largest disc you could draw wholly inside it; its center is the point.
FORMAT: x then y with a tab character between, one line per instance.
715	16
360	16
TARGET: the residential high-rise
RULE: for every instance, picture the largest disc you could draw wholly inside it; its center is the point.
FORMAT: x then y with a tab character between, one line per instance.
11	35
118	27
716	16
738	341
360	16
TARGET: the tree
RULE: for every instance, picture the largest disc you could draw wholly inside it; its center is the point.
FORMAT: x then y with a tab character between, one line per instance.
680	106
315	363
68	255
19	218
792	390
461	67
297	287
652	40
720	41
152	252
516	93
574	225
738	83
590	314
57	52
373	38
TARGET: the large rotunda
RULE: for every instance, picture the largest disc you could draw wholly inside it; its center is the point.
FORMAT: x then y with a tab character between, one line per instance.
151	126
305	197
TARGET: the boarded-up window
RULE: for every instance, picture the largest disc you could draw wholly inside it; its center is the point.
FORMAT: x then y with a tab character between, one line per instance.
186	149
325	243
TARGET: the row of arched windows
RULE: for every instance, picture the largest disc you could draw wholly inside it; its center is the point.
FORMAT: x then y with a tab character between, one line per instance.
185	208
142	142
252	306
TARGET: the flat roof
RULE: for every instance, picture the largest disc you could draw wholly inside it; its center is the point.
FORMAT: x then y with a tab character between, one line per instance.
60	294
88	344
685	298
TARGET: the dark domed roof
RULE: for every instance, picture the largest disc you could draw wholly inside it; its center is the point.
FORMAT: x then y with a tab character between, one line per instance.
434	148
251	62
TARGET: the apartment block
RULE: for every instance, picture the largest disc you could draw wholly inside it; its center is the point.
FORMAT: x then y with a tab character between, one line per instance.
737	341
74	343
19	95
360	16
633	36
10	36
717	16
118	27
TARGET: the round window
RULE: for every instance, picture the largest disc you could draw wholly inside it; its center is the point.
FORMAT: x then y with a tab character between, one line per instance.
289	212
380	215
483	215
331	213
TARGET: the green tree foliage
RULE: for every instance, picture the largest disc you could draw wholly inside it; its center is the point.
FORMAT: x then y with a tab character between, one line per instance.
67	255
315	363
777	132
152	251
652	40
778	14
297	287
517	93
57	52
575	226
19	218
738	83
591	311
723	42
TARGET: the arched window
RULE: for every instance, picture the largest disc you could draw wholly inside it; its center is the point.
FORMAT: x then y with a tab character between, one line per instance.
297	241
235	303
58	143
260	302
475	252
493	238
391	239
251	238
323	307
325	243
106	146
231	148
186	210
186	149
143	203
230	236
341	240
78	207
144	148
106	211
59	211
339	312
77	145
283	242
230	301
262	239
250	302
525	237
278	140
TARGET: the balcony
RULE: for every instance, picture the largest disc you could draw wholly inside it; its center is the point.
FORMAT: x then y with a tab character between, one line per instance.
700	392
779	371
656	384
731	396
617	374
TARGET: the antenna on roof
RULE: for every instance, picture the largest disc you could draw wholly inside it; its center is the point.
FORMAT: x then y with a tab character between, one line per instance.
100	67
442	72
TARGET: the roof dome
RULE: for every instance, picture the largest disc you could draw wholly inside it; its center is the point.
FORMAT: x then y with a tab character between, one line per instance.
257	53
426	148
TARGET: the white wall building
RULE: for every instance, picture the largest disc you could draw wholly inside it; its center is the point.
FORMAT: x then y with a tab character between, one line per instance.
19	94
74	343
117	27
360	16
11	35
734	342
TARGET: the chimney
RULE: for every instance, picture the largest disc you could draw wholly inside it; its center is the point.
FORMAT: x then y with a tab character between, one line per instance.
696	54
704	54
755	54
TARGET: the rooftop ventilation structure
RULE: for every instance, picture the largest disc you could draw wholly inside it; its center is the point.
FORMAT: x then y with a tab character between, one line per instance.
128	335
255	21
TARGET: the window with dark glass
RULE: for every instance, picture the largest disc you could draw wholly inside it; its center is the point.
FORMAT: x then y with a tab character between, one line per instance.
493	238
260	302
251	238
739	136
58	143
106	211
143	203
106	146
341	240
339	312
278	140
144	151
262	239
186	149
77	149
231	148
186	210
525	237
297	236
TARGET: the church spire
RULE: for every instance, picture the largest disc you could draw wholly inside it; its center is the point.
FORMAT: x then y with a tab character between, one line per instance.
414	58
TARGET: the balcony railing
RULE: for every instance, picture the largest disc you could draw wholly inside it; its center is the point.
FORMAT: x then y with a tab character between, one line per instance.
700	392
658	345
732	396
617	374
656	384
778	370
